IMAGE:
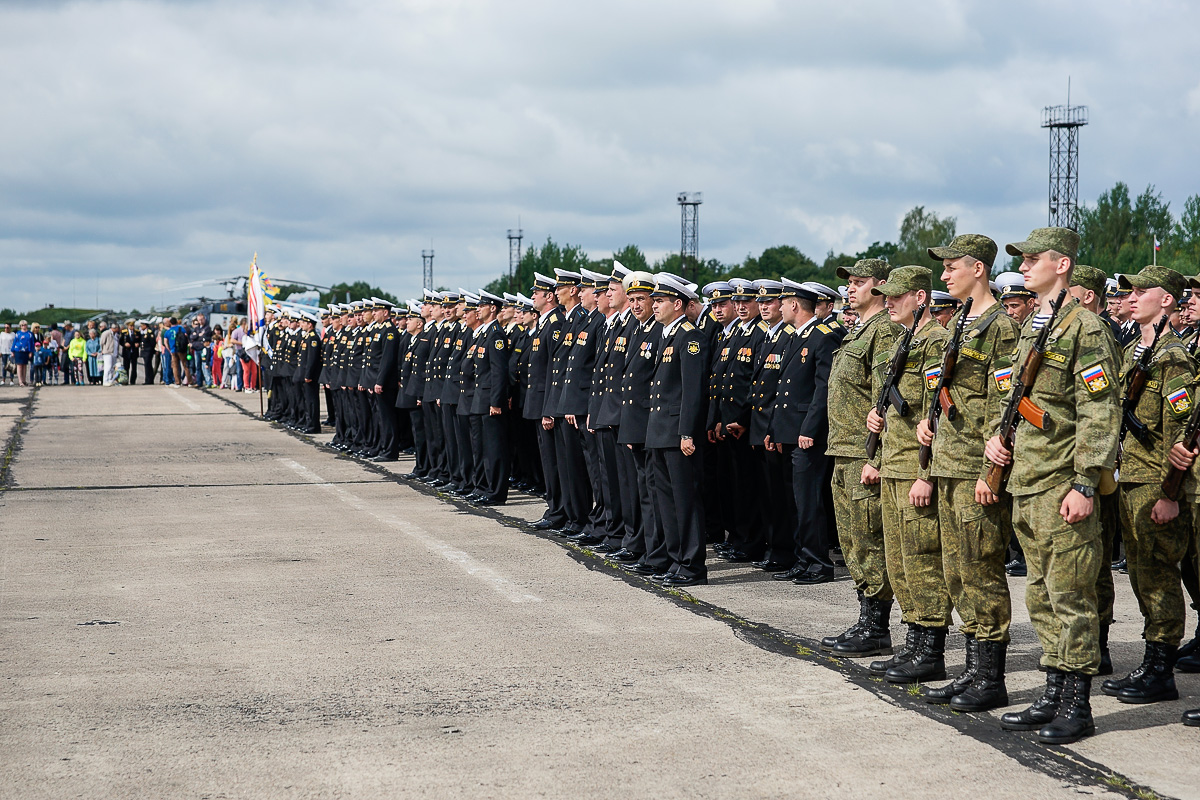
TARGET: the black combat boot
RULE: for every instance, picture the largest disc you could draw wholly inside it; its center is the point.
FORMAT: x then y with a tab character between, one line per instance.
988	690
829	642
1113	686
928	662
1188	657
1106	667
1158	679
1074	718
875	638
911	641
959	685
1043	710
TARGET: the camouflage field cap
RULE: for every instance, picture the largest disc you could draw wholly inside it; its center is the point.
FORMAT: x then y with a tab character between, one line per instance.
906	279
1060	240
1194	282
1163	277
975	245
1089	278
866	268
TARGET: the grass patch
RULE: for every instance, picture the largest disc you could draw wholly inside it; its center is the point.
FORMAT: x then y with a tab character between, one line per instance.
1117	781
914	689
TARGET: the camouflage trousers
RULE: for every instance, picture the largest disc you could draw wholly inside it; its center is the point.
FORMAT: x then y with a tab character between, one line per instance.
860	528
1109	506
1060	590
974	544
913	550
1153	553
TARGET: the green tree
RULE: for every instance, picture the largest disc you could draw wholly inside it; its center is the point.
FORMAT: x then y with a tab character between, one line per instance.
1185	238
544	260
632	258
1117	235
339	292
779	261
919	231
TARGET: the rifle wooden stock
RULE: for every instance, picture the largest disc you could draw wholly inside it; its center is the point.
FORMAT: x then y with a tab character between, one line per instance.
872	444
997	476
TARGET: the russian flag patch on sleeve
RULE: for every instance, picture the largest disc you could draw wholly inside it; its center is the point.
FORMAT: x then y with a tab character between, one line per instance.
1095	379
1180	401
1003	378
932	376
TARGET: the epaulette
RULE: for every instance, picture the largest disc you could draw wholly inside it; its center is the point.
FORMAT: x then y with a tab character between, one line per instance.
823	328
762	326
687	326
788	329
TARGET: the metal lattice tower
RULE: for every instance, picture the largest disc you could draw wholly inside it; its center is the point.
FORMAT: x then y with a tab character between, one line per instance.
427	267
689	244
1064	123
514	257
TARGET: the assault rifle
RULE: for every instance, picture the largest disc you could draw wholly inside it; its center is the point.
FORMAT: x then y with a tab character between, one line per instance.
1139	373
941	402
890	395
1019	405
1173	483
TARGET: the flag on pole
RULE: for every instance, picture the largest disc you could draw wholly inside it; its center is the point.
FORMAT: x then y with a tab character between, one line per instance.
258	291
1157	243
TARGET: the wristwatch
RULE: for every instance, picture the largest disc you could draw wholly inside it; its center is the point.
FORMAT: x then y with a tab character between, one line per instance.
1086	491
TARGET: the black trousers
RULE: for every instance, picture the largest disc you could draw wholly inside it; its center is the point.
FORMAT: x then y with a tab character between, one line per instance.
366	421
678	481
814	532
435	439
493	456
556	508
527	461
598	513
648	541
716	473
130	362
388	443
629	495
310	393
465	466
572	472
749	528
450	442
330	408
780	501
147	368
610	486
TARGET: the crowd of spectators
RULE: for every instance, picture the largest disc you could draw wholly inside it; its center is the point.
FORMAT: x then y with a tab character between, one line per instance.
112	354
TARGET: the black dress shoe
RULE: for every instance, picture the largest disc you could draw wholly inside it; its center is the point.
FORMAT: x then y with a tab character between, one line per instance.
659	577
791	574
489	501
678	581
545	524
737	556
604	548
473	498
1016	568
814	576
641	568
1192	718
771	566
571	530
588	540
412	476
623	556
384	459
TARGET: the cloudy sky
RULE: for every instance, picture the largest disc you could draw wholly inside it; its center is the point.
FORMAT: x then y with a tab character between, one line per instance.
150	144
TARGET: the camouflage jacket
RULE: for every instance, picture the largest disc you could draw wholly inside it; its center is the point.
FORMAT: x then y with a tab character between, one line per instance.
899	440
1075	387
1164	408
981	379
850	383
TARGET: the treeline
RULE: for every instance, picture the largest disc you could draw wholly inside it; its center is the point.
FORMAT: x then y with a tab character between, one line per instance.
1117	234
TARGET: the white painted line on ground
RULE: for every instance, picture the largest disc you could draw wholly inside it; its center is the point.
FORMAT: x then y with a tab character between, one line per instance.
179	395
470	565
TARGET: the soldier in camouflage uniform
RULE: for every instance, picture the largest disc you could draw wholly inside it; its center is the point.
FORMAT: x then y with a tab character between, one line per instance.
974	522
1055	474
1156	533
911	543
1088	286
855	479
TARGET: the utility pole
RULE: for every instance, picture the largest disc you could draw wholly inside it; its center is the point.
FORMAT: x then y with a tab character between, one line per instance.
427	267
514	256
689	235
1064	123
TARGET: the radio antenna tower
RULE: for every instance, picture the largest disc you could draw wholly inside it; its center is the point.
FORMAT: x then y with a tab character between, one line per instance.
1064	123
427	267
689	244
514	255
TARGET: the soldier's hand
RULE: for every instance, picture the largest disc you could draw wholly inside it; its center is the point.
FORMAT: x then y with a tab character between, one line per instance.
494	411
983	495
1076	507
874	421
378	389
921	493
870	475
418	404
924	433
996	452
719	433
687	446
712	436
547	422
1180	457
804	442
767	442
1164	511
570	418
735	430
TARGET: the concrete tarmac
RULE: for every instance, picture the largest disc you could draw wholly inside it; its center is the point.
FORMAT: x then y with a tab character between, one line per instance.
196	603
